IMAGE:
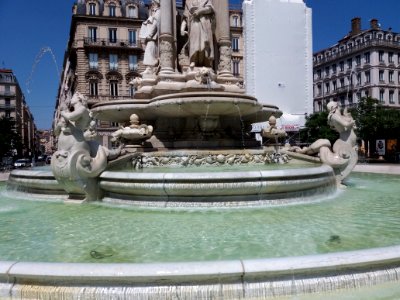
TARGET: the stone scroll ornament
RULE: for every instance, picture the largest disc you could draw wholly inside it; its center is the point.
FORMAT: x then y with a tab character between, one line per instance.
342	156
79	159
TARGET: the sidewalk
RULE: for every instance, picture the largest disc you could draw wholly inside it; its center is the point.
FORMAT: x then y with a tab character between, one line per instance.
378	168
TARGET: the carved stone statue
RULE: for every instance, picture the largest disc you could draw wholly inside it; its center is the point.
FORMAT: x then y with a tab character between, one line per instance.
343	155
134	132
79	159
149	32
199	25
272	131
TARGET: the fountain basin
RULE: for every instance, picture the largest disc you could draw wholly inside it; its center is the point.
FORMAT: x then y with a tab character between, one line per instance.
238	277
241	279
218	189
186	105
204	188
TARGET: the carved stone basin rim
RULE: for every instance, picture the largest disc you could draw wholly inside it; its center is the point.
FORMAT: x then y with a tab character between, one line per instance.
184	105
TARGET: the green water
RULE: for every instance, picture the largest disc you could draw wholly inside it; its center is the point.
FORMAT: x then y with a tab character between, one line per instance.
366	215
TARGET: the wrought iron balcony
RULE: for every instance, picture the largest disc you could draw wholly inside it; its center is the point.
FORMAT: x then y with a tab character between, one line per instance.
111	43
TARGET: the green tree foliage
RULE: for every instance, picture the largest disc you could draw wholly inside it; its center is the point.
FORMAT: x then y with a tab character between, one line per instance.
9	138
365	114
317	127
375	121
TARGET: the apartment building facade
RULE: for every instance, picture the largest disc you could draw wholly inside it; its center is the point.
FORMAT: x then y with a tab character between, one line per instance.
13	105
105	53
365	63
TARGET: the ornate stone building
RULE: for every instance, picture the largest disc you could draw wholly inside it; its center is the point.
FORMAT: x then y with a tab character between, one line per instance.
236	27
13	105
364	63
105	52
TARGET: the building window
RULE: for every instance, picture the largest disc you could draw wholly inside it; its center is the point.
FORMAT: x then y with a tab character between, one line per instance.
235	22
112	35
132	37
113	62
342	101
350	98
7	90
235	67
341	82
235	44
349	63
93	88
390	57
391	97
367	57
381	53
112	9
327	87
92	9
358	96
334	85
358	60
334	67
381	75
114	88
132	12
319	106
326	71
319	74
391	76
381	96
7	102
358	79
8	114
93	61
93	34
132	90
319	89
367	77
341	66
133	62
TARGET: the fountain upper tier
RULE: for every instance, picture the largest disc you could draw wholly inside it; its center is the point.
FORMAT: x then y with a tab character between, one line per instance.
187	105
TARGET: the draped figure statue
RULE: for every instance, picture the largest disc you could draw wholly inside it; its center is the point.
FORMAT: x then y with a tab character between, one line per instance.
199	25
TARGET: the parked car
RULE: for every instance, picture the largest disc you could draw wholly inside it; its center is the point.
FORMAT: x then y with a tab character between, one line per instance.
22	163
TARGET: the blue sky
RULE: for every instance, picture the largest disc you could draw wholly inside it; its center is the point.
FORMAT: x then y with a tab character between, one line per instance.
29	26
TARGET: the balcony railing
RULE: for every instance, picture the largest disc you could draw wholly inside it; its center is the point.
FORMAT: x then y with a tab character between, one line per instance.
106	98
7	94
108	43
7	106
359	47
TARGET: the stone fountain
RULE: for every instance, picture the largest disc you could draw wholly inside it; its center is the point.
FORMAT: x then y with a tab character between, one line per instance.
189	123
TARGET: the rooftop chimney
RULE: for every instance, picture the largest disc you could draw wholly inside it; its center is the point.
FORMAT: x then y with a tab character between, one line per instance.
355	26
374	24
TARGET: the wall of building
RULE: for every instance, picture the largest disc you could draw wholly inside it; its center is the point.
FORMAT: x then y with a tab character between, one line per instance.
278	60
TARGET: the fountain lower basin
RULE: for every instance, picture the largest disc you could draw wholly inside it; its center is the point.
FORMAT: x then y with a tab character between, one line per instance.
196	187
358	221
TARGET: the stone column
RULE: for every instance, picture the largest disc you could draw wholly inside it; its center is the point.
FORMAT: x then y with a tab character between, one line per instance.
223	37
166	43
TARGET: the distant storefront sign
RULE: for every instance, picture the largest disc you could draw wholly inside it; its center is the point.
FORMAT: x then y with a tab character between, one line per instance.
291	127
